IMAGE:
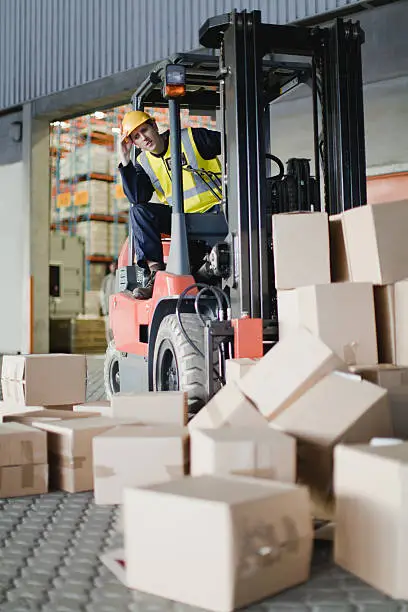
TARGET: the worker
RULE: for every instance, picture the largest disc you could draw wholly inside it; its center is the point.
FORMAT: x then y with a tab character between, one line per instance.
151	173
108	288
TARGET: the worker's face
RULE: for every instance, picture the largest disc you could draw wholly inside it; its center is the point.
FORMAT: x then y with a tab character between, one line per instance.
147	138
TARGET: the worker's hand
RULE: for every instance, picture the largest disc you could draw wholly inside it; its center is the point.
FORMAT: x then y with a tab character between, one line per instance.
125	148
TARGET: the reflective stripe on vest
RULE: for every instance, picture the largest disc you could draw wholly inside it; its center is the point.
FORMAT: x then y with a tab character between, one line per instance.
198	197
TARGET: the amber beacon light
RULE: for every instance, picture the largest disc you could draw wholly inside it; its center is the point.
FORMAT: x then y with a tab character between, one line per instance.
175	81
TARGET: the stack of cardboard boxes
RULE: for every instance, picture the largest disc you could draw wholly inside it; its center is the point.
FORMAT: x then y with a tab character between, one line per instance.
217	512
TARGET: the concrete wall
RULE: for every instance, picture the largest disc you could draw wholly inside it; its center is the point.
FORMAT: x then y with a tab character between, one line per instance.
14	281
24	227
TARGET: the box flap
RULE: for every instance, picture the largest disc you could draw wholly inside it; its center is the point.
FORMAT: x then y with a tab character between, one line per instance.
66	427
229	490
393	452
137	431
228	407
14	391
13	367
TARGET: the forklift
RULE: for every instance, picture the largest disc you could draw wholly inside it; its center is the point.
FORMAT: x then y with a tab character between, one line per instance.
216	299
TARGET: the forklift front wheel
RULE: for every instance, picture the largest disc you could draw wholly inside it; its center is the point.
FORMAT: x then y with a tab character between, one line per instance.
176	365
111	370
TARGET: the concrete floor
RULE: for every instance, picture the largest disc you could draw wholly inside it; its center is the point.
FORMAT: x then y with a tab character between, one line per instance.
49	560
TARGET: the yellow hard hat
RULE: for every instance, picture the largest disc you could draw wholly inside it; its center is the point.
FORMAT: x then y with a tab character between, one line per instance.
132	120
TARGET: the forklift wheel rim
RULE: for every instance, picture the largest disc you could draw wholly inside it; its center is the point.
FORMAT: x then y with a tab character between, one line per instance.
167	374
114	376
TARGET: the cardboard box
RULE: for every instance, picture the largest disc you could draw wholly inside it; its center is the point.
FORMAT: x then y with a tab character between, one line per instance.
45	380
371	486
385	375
153	408
70	451
137	456
300	249
227	407
237	368
342	315
22	445
339	267
28	417
376	244
384	302
340	408
260	452
20	480
289	369
10	409
99	407
23	460
254	539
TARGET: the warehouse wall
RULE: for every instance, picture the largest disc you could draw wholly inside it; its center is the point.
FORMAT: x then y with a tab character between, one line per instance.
48	46
13	251
24	237
385	74
14	217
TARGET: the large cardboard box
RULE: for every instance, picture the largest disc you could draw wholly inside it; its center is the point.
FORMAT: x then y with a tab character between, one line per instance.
340	408
342	315
260	452
300	249
371	538
376	244
338	257
70	451
23	460
227	407
254	539
137	456
237	368
290	368
45	380
153	408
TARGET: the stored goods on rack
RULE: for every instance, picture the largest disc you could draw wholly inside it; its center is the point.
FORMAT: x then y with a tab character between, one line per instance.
81	335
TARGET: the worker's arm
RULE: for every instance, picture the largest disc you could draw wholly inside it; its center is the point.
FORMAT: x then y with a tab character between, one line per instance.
208	142
136	183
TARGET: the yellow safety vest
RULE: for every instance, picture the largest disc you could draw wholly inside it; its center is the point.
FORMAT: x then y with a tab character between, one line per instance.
198	197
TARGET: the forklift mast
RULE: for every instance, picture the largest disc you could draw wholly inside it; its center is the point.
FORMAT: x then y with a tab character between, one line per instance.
251	65
334	52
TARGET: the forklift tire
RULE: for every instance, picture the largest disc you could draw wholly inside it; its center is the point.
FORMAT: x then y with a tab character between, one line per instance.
176	365
111	370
